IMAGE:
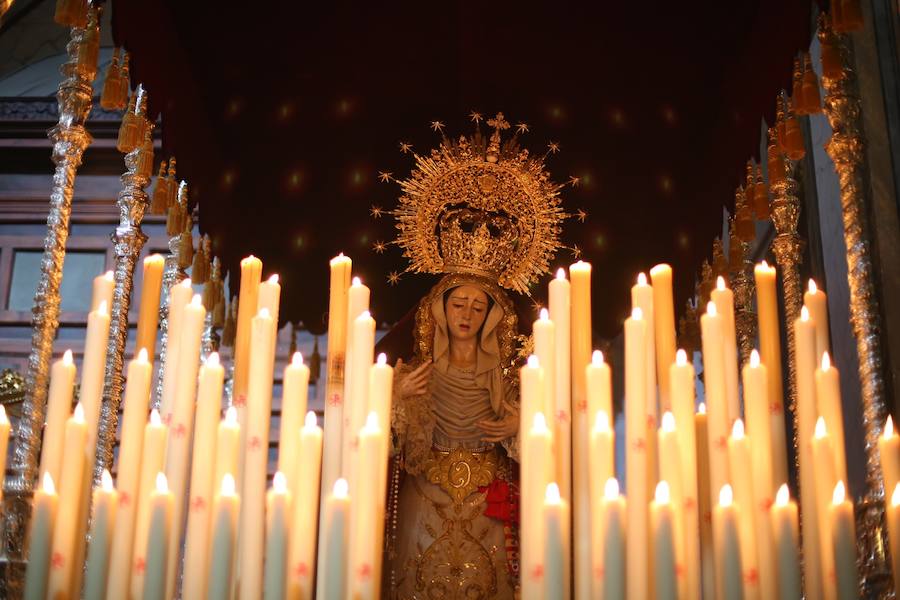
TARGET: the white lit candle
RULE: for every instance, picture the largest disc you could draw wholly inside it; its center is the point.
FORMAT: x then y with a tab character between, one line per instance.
103	523
102	290
227	445
843	530
295	391
599	386
40	537
727	547
179	297
724	301
892	512
332	566
609	567
664	329
59	406
536	457
712	329
556	523
825	476
226	506
636	463
152	462
357	304
278	508
544	333
363	577
663	534
828	401
560	304
642	298
160	530
786	531
742	485
889	449
92	371
705	503
148	310
301	565
817	302
269	297
671	473
602	469
356	407
248	299
381	382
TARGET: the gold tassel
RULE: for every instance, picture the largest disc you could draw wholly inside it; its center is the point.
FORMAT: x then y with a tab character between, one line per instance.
315	362
144	166
293	347
109	97
172	184
71	13
128	129
200	266
124	82
229	328
159	204
219	313
811	97
186	245
797	89
89	48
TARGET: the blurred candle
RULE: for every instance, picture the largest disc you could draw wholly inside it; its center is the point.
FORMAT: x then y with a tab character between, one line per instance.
892	512
363	578
712	328
179	297
381	381
825	476
536	454
357	304
92	370
724	301
59	406
727	547
248	299
103	523
670	472
152	462
40	536
209	400
609	567
681	385
65	531
560	304
742	485
705	503
805	376
889	448
817	303
278	506
642	298
148	310
599	386
227	440
102	290
4	444
828	401
544	333
770	356
844	544
356	406
556	523
332	567
159	532
602	469
786	531
663	533
301	565
664	327
636	455
269	297
295	390
226	506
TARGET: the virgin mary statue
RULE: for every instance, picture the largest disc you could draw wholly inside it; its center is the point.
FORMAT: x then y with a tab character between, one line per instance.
485	214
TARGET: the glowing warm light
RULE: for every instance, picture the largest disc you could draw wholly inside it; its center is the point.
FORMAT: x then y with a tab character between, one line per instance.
826	361
804	314
754	358
67	357
371	425
821	431
356	280
296	359
311	420
3	419
642	279
231	415
108	276
552	496
720	283
711	308
597	358
895	497
545	315
601	423
47	484
273	278
812	287
341	489
382	359
533	362
213	360
101	308
889	427
726	495
765	265
840	493
539	425
78	413
263	313
364	315
227	488
637	313
681	358
783	496
737	430
701	408
196	300
154	417
187	282
662	495
279	483
106	481
162	484
560	273
141	357
668	422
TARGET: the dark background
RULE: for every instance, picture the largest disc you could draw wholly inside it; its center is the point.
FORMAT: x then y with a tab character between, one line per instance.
281	115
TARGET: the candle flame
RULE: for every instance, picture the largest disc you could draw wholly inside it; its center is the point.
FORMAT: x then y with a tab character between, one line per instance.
580	266
812	287
737	429
637	313
213	360
341	488
783	496
889	427
840	493
372	422
141	357
67	357
720	283
660	268
101	308
78	413
382	359
826	361
539	425
681	357
545	315
279	483
754	358
668	422
3	419
552	495
357	281
108	276
662	495
611	489
701	408
821	431
560	273
162	484
227	488
154	417
248	259
895	497
601	423
534	362
642	279
263	313
711	308
311	420
726	495
186	282
47	484
364	315
764	265
106	482
597	358
154	258
274	278
196	300
804	314
296	359
231	415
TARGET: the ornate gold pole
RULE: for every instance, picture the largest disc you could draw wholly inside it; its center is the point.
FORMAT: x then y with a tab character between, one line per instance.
70	138
846	148
128	240
742	274
212	299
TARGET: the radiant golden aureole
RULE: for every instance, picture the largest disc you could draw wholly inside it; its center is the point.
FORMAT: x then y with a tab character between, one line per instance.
484	213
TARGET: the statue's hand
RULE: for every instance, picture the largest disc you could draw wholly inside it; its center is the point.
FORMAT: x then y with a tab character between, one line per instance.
416	382
497	430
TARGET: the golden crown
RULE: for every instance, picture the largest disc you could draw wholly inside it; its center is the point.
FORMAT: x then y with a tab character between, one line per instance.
481	205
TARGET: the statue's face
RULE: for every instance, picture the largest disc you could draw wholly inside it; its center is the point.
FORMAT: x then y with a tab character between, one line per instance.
466	311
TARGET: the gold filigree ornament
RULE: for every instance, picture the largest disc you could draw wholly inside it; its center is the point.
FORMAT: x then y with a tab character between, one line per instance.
460	472
481	205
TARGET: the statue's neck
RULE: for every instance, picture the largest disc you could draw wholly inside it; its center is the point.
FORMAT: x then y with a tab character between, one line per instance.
463	352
